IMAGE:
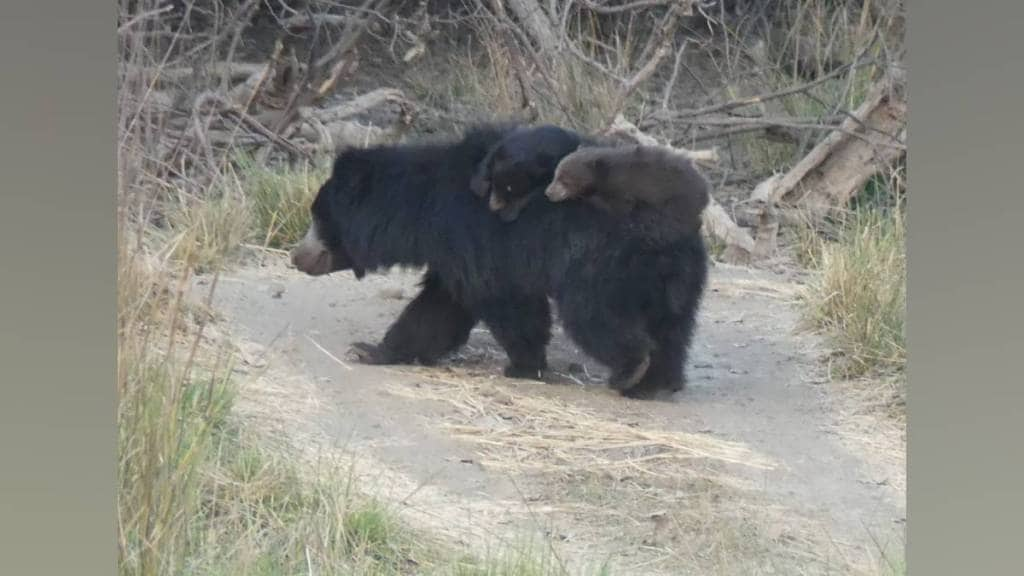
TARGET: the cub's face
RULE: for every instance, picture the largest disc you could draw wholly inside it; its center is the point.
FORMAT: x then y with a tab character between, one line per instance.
576	176
507	182
520	167
511	182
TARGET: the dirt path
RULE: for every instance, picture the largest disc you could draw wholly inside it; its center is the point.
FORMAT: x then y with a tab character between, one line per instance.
750	470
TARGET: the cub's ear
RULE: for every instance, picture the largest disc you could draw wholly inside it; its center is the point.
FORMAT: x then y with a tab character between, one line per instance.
480	183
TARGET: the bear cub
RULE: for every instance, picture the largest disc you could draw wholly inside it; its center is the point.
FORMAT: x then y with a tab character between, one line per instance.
617	180
521	163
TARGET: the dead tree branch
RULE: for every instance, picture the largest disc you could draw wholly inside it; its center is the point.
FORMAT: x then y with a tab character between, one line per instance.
759	98
534	21
834	170
235	71
142	17
361	104
622	127
603	8
671	84
322	74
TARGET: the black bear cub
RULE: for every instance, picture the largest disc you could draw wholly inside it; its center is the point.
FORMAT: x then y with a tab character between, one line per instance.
521	163
617	180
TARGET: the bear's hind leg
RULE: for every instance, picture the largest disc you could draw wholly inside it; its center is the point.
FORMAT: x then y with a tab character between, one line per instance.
622	346
522	326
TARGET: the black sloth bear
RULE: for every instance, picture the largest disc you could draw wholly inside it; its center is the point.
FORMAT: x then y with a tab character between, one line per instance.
627	290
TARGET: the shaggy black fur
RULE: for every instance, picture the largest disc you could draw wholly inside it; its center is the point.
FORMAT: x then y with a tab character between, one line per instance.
429	327
627	290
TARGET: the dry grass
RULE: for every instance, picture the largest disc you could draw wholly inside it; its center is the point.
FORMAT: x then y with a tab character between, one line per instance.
251	203
686	500
281	198
586	99
517	431
210	231
858	294
199	493
483	76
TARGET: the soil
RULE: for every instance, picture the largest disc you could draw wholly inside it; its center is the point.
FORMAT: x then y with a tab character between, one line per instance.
761	465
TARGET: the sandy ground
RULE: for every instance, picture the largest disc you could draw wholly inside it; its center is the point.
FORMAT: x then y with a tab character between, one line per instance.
760	466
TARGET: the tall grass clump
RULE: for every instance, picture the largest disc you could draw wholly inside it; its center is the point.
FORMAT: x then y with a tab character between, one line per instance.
858	293
169	413
250	202
208	230
200	491
280	198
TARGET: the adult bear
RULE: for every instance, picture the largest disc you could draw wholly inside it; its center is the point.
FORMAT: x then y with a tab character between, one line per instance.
627	290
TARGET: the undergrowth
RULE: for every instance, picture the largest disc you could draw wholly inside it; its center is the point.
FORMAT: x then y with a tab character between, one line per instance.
281	198
251	204
858	292
201	493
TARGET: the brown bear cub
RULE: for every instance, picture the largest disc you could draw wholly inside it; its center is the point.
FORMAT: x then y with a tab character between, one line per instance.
619	179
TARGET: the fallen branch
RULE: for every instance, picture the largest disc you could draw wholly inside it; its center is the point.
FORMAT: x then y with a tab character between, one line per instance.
601	8
361	104
321	75
766	225
755	122
761	98
621	126
837	168
343	134
245	93
260	129
143	16
303	22
235	71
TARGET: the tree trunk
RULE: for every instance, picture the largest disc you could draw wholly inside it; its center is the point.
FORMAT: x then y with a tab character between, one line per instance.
839	166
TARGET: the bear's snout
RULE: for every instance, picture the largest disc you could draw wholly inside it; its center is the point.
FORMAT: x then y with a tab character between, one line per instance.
556	191
310	255
496	203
